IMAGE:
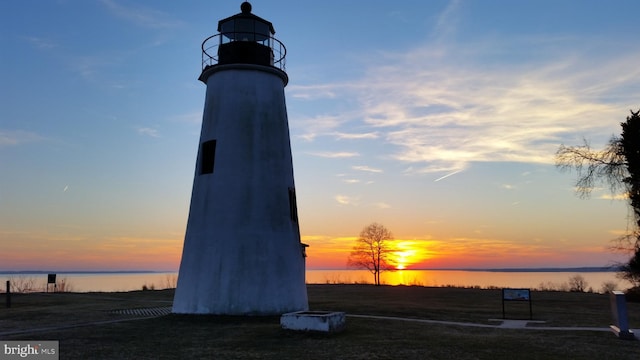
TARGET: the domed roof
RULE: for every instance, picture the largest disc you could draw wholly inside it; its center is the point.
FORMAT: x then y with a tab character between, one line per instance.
246	14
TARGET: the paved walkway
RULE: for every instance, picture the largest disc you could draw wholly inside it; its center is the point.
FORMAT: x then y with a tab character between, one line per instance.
503	324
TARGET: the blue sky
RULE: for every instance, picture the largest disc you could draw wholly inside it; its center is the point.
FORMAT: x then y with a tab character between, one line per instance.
438	119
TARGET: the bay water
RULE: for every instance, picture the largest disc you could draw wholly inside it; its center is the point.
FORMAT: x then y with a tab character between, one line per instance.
595	281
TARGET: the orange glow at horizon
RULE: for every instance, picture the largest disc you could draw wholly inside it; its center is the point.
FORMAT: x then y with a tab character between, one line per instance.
406	253
326	252
63	252
59	252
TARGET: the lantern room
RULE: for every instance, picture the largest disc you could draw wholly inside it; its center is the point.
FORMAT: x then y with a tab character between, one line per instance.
245	38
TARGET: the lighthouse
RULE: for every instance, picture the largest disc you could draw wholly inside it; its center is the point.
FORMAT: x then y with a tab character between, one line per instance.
242	253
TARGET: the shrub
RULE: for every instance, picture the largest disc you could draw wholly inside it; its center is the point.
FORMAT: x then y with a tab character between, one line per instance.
608	286
23	284
64	286
633	294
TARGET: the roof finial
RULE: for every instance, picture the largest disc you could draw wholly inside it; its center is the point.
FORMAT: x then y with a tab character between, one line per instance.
245	7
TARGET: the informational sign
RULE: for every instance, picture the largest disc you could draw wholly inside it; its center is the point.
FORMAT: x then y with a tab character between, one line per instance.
517	295
51	279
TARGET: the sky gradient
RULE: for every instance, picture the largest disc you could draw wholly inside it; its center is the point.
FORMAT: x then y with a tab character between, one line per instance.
437	119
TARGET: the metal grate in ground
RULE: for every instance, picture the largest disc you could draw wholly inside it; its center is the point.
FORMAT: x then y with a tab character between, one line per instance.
144	312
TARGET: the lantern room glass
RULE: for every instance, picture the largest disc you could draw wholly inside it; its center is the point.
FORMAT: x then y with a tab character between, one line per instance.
245	30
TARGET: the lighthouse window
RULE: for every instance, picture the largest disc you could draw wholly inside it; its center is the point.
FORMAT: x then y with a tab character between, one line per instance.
244	30
227	27
262	33
293	207
207	156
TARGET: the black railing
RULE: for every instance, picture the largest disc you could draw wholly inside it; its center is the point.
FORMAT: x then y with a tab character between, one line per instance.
211	47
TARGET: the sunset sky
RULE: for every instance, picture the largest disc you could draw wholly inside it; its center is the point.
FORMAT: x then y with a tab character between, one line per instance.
438	119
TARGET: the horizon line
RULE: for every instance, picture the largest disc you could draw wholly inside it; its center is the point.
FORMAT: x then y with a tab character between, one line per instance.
528	269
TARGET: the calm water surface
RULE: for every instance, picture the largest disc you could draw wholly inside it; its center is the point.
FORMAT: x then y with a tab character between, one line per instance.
111	282
462	278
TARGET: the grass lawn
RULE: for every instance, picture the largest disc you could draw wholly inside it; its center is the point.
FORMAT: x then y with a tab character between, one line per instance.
223	337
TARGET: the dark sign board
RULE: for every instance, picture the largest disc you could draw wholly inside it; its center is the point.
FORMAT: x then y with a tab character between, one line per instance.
517	295
51	279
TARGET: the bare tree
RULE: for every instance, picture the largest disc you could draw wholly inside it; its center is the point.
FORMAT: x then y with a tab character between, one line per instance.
631	270
594	167
372	251
577	283
617	165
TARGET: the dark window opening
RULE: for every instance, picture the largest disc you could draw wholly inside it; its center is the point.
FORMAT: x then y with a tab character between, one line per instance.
207	156
293	206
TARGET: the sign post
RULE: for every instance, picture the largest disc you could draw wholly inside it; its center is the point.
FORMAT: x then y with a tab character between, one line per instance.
51	279
517	295
8	293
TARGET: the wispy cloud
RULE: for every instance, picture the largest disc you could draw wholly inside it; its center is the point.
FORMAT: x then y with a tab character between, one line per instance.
443	106
623	196
17	137
382	205
331	241
334	155
40	43
447	22
366	168
141	16
307	92
346	200
93	66
355	136
189	118
90	66
437	167
147	131
318	126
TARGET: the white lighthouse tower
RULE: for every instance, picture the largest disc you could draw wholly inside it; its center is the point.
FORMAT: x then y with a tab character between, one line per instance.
242	253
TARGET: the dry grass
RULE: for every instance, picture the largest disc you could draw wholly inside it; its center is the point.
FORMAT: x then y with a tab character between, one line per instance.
43	310
466	305
180	336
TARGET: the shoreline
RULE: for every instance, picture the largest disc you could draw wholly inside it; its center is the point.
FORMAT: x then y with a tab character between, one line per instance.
586	269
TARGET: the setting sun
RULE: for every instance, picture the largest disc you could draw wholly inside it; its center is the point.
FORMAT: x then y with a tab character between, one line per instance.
406	253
